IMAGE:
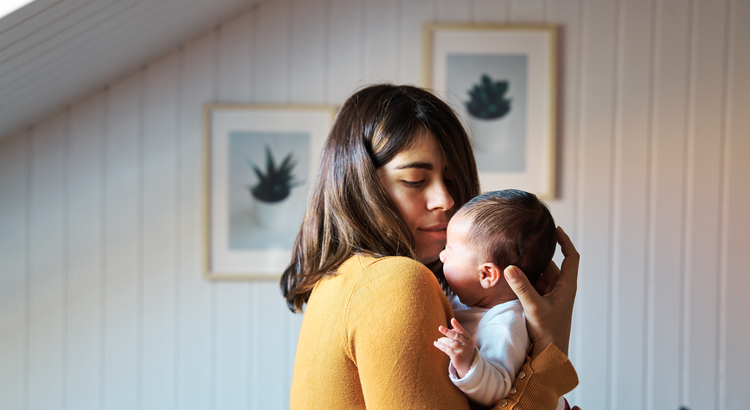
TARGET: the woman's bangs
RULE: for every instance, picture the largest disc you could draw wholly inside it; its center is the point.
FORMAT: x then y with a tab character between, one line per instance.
395	134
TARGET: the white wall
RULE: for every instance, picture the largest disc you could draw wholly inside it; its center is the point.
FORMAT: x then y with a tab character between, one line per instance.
102	303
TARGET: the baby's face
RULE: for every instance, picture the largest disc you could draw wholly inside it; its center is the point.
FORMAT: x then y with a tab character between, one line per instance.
460	264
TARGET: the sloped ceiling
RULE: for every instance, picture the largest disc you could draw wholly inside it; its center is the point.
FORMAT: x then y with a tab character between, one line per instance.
55	52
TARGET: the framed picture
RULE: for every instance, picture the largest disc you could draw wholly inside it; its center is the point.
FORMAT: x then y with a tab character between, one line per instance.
500	80
260	161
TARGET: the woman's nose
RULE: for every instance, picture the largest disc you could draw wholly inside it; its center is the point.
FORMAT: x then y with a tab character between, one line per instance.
438	197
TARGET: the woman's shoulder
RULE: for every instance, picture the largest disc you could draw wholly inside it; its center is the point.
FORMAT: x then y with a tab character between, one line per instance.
392	262
394	267
394	274
397	288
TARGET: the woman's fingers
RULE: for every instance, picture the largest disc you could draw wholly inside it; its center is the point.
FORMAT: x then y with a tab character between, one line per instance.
547	279
538	311
521	286
566	245
548	317
569	270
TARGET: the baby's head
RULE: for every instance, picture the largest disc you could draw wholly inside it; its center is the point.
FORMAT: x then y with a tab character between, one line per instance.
492	231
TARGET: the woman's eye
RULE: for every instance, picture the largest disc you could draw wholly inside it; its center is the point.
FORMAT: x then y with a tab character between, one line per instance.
412	183
448	182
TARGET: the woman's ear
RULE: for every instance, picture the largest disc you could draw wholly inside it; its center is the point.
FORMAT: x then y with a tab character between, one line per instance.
489	275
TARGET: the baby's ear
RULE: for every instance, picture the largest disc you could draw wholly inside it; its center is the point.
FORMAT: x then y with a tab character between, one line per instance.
489	275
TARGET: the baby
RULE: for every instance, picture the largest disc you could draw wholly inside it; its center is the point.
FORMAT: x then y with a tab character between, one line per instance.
488	342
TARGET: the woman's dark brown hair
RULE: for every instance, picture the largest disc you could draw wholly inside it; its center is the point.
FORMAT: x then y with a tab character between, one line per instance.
349	212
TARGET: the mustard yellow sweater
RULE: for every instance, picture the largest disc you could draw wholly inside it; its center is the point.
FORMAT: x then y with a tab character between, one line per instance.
367	342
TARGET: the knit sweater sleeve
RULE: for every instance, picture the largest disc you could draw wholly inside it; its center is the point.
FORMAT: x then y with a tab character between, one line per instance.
392	320
540	383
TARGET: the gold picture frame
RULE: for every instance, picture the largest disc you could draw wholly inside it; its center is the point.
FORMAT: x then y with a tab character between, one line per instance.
501	81
259	163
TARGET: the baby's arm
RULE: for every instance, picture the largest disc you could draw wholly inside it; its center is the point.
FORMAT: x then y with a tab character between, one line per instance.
459	345
485	383
491	374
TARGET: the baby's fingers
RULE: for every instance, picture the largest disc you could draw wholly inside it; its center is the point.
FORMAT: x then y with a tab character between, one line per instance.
457	327
454	335
450	333
445	348
456	347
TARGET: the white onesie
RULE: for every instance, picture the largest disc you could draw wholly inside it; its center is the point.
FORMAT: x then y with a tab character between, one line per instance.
501	340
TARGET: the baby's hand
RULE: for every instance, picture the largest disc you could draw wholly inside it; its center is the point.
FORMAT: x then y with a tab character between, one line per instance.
459	345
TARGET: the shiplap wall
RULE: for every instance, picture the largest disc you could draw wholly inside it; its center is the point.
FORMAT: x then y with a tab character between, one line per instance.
102	303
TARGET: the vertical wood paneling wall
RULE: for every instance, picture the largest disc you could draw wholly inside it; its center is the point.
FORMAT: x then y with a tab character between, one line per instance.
102	303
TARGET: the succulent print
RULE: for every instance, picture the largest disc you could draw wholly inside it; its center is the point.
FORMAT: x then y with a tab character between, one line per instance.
488	99
276	184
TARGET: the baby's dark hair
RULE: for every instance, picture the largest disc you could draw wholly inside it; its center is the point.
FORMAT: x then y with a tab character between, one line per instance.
511	227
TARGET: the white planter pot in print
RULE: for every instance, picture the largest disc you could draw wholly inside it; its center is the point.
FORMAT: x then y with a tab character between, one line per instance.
272	214
490	136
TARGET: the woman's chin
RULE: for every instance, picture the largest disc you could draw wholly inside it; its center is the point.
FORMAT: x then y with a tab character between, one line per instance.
429	258
428	251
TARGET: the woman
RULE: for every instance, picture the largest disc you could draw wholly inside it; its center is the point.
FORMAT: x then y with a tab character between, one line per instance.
396	166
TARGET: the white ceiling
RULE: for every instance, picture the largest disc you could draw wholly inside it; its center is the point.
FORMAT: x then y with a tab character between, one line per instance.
55	52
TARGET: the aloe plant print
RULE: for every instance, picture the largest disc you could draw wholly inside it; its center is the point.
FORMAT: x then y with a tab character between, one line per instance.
276	183
488	99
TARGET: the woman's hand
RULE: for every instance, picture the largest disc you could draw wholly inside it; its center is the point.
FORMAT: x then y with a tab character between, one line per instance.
459	345
548	317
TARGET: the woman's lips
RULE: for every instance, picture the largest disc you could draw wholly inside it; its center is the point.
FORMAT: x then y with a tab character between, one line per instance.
437	232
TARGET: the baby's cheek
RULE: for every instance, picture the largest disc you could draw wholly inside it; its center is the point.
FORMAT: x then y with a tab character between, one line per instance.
448	273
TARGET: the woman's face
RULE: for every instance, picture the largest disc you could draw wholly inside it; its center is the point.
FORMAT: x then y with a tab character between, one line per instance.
417	181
